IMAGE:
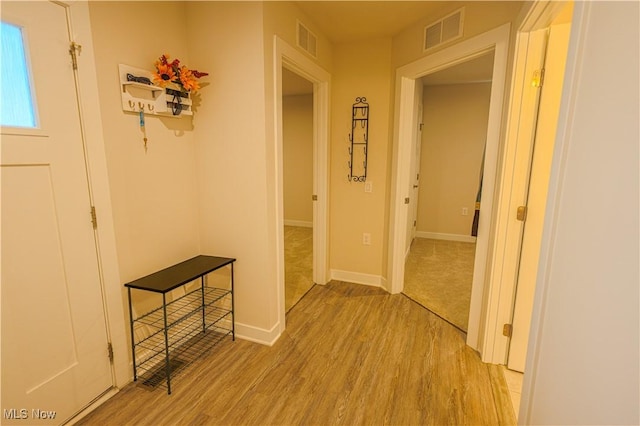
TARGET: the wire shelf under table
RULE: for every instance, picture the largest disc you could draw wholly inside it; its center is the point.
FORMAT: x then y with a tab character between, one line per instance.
156	374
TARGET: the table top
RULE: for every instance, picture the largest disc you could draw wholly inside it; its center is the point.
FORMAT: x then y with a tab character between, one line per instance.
174	276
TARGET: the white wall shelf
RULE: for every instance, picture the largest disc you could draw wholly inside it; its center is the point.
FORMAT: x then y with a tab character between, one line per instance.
152	99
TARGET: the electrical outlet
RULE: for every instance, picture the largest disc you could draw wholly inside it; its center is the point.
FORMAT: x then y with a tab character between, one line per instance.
465	211
366	239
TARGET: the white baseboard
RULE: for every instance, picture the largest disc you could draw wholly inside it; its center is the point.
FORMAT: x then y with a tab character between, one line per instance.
302	223
448	237
257	335
358	278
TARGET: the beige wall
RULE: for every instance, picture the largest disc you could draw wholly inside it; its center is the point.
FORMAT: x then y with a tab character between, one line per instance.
297	132
352	211
453	138
154	193
480	16
280	18
229	128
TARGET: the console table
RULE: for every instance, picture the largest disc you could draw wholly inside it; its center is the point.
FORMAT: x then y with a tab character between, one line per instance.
181	329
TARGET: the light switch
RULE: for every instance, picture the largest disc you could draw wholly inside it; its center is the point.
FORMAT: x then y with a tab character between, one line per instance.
368	186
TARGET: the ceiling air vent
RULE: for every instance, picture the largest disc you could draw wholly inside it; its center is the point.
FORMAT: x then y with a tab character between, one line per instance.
307	40
446	29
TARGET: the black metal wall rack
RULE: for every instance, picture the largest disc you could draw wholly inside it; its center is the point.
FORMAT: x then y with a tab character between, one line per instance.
359	138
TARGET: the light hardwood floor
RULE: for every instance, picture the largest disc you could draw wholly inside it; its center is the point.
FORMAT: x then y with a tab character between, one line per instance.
438	275
350	355
298	269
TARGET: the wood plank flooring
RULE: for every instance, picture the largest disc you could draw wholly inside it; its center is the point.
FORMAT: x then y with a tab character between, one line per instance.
298	263
438	275
350	355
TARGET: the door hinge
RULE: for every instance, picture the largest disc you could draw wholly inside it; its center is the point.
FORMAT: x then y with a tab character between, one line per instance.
415	223
507	330
74	50
521	213
94	217
538	78
110	352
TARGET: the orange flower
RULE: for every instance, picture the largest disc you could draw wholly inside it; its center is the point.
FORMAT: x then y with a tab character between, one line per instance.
187	79
174	72
164	74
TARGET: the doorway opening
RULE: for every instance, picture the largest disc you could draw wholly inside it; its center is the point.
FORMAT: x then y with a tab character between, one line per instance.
453	109
287	59
495	40
297	137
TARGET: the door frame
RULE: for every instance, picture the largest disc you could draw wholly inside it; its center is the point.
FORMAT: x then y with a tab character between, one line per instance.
289	57
513	189
99	191
498	41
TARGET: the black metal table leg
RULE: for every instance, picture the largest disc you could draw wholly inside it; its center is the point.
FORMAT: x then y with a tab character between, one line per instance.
233	312
204	325
166	342
133	339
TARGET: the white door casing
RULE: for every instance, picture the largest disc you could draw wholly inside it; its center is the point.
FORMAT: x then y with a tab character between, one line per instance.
54	337
516	159
548	109
497	40
294	60
518	150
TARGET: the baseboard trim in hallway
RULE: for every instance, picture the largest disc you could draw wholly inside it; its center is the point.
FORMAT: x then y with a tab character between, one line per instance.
358	278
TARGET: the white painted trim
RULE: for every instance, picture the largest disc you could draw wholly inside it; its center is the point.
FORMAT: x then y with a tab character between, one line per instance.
296	61
117	322
573	71
400	179
358	278
301	223
446	237
517	153
258	335
498	40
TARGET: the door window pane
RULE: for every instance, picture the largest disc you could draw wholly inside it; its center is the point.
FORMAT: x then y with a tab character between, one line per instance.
16	107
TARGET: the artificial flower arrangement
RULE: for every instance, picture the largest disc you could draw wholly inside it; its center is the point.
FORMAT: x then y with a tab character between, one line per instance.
172	72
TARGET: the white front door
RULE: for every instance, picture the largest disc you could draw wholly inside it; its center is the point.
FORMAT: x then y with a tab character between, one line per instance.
54	340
